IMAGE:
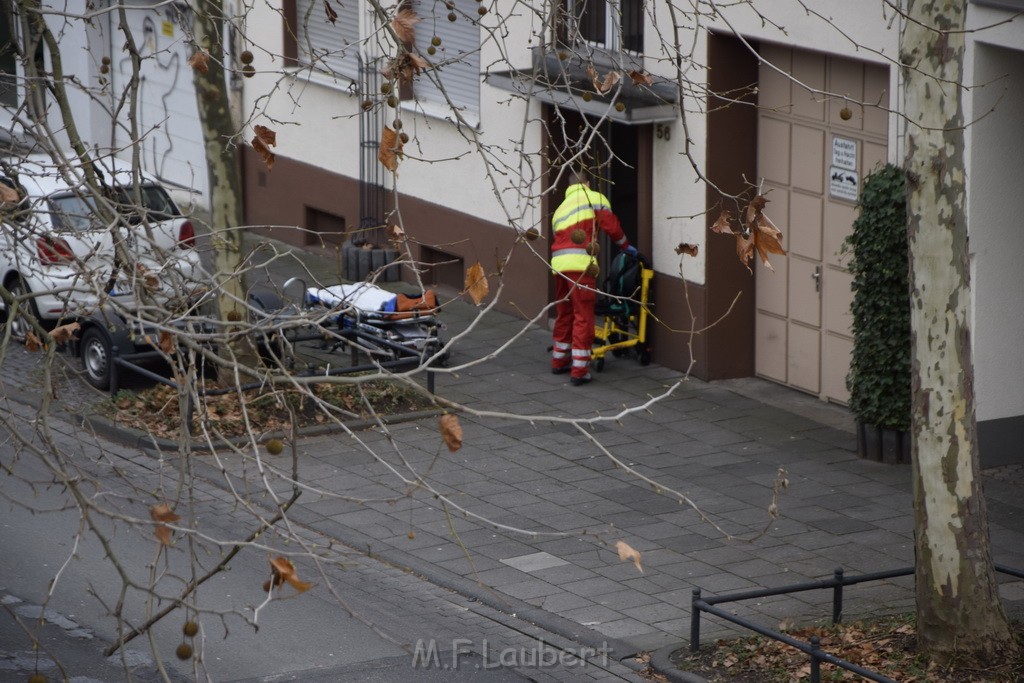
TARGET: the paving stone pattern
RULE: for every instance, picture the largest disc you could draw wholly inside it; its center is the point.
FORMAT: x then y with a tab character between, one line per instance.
537	473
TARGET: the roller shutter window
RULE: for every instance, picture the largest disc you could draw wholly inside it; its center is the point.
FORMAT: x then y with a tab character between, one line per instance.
456	59
331	48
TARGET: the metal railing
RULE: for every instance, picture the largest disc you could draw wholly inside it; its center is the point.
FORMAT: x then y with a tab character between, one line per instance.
812	648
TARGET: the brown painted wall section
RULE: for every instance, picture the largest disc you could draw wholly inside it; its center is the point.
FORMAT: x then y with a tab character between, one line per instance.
456	240
727	349
277	201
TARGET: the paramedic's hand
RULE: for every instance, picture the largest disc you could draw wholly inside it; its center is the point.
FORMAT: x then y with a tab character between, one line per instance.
631	250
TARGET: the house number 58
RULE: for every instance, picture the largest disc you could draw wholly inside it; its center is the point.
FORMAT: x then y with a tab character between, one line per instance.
662	132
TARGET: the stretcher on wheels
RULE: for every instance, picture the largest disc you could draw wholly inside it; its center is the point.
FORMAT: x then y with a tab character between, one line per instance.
623	306
385	324
388	328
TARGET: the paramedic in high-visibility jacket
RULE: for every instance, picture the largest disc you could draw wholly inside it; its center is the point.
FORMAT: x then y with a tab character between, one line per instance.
574	246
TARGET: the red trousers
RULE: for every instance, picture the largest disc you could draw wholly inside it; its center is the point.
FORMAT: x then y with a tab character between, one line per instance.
576	295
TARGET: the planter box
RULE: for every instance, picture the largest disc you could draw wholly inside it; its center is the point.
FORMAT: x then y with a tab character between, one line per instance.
883	444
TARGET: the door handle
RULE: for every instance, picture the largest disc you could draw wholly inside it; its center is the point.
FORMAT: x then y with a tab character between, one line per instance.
817	278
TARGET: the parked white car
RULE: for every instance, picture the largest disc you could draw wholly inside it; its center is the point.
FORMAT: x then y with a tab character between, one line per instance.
54	247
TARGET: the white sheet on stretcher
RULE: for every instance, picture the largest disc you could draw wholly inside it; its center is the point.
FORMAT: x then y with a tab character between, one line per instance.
362	296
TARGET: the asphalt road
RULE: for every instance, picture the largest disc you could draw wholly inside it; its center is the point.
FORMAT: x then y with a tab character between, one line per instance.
364	621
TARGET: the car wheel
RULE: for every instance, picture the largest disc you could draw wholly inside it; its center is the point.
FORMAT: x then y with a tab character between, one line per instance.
96	358
20	326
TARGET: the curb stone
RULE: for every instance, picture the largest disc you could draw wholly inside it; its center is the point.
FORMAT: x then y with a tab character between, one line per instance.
146	442
618	650
661	663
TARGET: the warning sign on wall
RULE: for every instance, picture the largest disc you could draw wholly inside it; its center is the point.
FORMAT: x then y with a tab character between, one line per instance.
843	184
843	181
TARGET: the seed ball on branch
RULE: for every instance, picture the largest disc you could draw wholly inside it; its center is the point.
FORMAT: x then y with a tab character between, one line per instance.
579	236
190	628
184	651
593	270
246	57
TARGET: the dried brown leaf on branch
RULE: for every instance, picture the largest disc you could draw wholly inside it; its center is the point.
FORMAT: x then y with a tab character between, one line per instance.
199	61
396	233
265	138
161	512
268	157
390	149
602	85
166	341
641	78
745	249
65	333
150	280
266	135
628	553
332	16
8	195
767	237
759	233
404	67
476	283
688	249
32	343
281	571
451	431
404	25
723	224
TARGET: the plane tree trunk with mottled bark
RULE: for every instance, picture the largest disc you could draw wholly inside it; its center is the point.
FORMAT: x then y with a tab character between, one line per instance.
225	188
959	615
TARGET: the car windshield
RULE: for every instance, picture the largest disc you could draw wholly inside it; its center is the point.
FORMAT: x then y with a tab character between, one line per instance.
75	212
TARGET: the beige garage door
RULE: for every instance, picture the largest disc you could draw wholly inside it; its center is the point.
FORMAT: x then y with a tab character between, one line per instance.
812	162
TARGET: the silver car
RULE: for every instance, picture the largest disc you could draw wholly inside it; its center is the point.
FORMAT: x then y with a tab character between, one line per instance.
57	253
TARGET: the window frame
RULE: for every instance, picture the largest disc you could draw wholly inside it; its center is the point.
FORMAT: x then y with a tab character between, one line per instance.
613	20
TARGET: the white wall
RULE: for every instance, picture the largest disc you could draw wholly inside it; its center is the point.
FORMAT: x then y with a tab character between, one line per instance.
445	163
679	197
995	176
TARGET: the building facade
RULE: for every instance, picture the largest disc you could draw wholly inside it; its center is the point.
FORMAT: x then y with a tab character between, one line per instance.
710	103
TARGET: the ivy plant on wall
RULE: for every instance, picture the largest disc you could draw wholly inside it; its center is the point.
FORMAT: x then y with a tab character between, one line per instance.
879	378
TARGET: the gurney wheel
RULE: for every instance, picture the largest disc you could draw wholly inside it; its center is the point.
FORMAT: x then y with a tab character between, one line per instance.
644	356
599	364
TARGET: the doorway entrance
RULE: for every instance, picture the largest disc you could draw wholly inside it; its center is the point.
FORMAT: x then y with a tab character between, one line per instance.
813	154
618	160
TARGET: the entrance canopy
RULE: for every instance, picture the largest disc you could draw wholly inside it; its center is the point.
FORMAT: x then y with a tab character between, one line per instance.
566	83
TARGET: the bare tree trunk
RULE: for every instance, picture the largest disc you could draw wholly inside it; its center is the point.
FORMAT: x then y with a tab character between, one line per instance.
219	130
959	615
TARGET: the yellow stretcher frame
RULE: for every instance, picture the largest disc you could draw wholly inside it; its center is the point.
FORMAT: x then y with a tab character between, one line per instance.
614	334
